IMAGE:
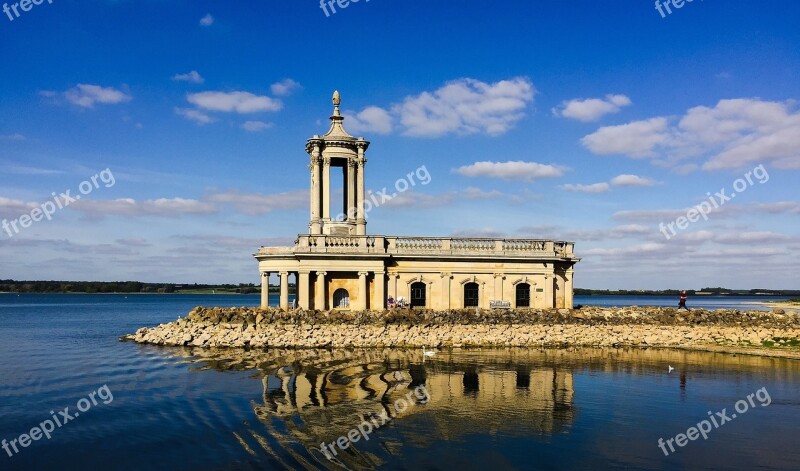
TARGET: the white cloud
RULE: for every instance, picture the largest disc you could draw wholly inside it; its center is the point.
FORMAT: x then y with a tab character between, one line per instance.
28	170
593	188
162	207
632	180
371	119
238	102
255	126
285	87
416	199
591	109
654	215
257	204
636	139
13	137
86	95
466	106
780	207
735	133
12	208
207	20
194	115
511	170
485	232
192	77
748	238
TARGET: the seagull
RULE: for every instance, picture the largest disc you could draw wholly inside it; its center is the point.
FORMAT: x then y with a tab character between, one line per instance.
670	369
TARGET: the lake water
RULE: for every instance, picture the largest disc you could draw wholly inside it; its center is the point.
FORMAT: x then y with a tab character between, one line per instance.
188	409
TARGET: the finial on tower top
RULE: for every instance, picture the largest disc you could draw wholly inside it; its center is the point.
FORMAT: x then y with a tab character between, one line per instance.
336	100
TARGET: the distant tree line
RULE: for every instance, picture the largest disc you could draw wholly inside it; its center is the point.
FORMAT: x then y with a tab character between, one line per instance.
13	286
690	292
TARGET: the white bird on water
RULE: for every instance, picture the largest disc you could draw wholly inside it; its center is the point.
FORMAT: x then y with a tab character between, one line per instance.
670	369
428	353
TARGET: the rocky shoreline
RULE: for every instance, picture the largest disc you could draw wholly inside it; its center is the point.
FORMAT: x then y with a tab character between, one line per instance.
775	333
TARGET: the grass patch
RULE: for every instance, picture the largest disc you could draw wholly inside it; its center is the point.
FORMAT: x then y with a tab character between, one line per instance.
781	342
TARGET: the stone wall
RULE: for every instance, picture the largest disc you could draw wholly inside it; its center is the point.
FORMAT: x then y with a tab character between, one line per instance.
589	326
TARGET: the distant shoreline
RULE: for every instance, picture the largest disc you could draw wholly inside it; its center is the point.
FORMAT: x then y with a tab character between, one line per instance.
136	294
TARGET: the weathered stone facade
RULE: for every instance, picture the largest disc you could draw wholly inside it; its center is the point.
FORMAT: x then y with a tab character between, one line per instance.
338	266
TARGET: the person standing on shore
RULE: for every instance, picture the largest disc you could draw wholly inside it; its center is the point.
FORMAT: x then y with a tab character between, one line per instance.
682	302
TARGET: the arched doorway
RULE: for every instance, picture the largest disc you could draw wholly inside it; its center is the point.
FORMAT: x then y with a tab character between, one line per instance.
523	295
471	294
341	299
418	294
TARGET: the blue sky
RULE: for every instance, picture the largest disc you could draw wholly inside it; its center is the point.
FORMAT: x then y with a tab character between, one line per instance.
587	121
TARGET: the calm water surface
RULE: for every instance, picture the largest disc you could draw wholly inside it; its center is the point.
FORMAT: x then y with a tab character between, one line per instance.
179	408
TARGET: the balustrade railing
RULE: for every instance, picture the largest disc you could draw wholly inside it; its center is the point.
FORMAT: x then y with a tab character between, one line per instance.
424	245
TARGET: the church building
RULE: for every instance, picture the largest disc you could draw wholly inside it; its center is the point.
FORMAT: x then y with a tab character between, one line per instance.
337	265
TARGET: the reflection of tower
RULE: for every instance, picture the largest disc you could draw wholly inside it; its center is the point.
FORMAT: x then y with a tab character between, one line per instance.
683	383
337	149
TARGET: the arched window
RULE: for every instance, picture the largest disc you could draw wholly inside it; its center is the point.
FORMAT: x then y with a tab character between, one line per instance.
341	299
418	290
523	295
471	295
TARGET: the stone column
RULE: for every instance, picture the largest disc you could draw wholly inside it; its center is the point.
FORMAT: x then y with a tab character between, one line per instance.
284	290
303	290
498	286
363	292
393	285
560	291
351	191
326	190
315	191
379	302
361	221
548	293
446	288
319	291
568	289
265	289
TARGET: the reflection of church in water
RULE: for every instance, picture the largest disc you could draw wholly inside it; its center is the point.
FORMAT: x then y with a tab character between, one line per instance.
329	396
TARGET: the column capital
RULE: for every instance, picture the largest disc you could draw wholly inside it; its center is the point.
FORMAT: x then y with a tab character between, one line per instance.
446	275
500	275
326	161
312	146
284	273
264	273
379	272
322	273
363	273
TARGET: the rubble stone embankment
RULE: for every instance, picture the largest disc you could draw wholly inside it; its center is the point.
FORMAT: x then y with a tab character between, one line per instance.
722	329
